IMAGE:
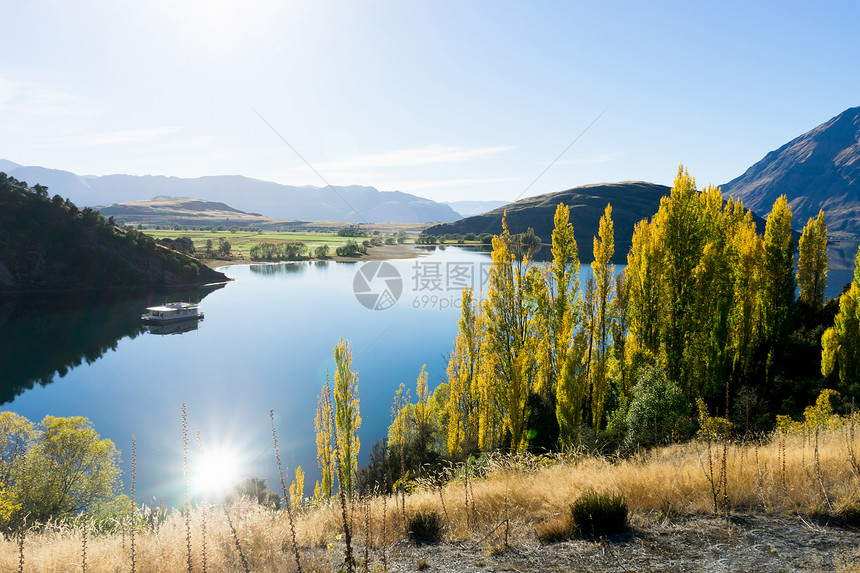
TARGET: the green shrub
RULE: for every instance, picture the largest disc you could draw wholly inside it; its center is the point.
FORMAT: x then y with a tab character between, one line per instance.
596	514
659	412
426	526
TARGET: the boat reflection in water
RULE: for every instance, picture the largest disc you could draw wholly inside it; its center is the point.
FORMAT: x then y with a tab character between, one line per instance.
172	328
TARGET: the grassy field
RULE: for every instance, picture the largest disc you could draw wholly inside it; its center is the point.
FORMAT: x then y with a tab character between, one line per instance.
513	501
241	242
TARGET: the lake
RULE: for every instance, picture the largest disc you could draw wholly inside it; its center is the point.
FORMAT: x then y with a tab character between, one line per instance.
266	343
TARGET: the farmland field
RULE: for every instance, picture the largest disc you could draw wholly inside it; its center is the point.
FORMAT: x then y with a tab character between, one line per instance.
241	242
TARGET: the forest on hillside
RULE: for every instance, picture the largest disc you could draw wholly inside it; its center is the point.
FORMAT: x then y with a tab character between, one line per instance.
49	244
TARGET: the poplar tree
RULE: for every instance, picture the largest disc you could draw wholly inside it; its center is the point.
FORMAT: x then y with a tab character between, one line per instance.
463	367
603	272
678	228
567	342
323	423
778	286
841	342
812	262
745	318
423	423
645	298
346	415
509	324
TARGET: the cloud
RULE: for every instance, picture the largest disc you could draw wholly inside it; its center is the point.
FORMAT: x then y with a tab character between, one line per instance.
593	159
417	185
428	155
79	138
21	96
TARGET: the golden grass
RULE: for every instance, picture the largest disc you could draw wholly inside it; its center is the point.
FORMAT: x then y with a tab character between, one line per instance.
515	499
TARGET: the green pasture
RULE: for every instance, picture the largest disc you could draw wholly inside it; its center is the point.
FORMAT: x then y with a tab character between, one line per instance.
241	242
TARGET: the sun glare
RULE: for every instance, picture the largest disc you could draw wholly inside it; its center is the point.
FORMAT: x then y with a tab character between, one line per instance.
215	473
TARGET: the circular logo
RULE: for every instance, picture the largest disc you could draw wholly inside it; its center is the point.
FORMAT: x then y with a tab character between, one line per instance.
377	285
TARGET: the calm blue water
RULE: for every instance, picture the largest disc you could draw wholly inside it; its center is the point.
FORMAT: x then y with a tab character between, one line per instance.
266	343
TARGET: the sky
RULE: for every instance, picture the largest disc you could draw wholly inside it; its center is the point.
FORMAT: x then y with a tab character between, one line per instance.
450	100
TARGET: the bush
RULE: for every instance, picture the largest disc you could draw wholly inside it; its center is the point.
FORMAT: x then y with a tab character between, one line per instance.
425	526
658	413
596	515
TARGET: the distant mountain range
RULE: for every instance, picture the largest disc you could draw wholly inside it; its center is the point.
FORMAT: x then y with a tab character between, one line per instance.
469	208
353	204
818	170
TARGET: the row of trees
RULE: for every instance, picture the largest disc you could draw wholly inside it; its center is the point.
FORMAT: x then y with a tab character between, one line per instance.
705	308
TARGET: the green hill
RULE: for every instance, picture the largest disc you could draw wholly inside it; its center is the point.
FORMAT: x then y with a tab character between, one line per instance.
631	202
49	245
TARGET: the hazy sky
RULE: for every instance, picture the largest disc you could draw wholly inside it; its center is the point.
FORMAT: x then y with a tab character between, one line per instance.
449	100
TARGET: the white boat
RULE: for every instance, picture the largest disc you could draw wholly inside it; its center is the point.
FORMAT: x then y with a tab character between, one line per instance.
171	312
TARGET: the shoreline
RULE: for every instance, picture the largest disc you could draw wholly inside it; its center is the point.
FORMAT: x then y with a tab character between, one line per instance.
380	253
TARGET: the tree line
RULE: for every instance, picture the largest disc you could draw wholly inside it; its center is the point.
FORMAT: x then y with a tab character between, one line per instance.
705	311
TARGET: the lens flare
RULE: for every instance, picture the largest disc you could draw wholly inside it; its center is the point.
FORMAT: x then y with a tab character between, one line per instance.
216	472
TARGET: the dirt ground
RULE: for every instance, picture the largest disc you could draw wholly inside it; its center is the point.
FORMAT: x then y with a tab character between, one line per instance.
754	543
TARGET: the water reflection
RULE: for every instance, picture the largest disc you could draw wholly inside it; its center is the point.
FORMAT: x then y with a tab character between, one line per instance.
43	338
173	328
280	268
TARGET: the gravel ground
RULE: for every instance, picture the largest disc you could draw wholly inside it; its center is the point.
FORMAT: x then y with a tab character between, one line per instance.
760	543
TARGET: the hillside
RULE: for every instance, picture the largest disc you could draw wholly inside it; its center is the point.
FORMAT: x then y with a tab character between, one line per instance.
49	245
631	202
184	211
353	204
817	170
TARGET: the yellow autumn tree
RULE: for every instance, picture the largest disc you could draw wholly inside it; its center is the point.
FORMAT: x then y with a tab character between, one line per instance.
841	342
324	425
745	316
645	302
297	488
812	262
777	292
603	272
509	325
347	416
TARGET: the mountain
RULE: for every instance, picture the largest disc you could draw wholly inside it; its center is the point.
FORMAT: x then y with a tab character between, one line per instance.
818	170
48	245
631	202
353	204
469	208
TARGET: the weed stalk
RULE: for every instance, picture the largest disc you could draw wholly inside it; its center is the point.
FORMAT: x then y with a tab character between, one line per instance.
284	491
188	562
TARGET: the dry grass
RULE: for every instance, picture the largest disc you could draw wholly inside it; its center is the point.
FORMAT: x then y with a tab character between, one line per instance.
534	494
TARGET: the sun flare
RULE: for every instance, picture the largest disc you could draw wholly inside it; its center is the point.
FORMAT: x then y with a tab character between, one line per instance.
216	472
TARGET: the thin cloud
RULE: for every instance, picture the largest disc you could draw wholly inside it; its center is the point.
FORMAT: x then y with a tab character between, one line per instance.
417	185
25	97
593	159
431	154
78	138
